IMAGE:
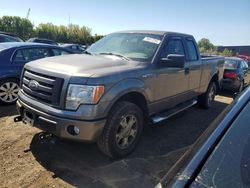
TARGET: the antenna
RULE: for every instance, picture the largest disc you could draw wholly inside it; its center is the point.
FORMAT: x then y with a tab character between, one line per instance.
28	14
69	18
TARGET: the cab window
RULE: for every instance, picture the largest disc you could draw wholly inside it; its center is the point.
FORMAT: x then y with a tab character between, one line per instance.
174	46
191	50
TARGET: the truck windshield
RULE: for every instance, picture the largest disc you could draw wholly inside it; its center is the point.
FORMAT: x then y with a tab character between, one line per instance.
135	46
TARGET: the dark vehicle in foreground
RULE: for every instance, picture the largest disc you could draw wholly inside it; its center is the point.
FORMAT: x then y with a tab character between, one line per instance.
75	48
221	156
236	74
43	41
13	56
123	81
8	37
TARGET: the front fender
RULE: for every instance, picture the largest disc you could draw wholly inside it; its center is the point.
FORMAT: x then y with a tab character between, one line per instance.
9	75
124	87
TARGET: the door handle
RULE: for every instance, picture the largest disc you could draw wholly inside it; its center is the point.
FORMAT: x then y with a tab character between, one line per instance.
148	76
187	70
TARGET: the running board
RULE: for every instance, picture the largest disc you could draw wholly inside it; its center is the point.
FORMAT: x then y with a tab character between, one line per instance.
169	113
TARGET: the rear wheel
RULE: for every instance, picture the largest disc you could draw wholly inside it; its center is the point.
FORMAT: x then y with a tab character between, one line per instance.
241	87
122	130
205	100
8	91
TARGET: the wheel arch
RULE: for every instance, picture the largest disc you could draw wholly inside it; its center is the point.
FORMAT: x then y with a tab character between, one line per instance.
215	79
131	90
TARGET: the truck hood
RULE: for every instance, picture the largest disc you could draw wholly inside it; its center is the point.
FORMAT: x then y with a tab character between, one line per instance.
83	64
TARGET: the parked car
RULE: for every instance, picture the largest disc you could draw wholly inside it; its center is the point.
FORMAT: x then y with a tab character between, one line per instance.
236	74
76	48
5	37
13	56
123	81
43	41
221	156
9	34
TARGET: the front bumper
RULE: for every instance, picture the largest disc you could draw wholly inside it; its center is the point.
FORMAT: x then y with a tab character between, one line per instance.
61	127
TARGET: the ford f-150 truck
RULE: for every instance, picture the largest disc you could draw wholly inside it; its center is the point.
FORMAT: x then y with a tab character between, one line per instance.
123	81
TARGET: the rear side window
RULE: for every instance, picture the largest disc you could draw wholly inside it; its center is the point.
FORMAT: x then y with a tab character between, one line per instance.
174	46
30	54
74	47
57	52
242	66
19	56
245	65
191	50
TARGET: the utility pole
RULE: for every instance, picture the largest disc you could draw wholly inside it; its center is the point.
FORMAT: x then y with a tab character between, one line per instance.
69	18
28	14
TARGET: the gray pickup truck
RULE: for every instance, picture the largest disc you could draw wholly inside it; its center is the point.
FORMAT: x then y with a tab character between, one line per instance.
121	83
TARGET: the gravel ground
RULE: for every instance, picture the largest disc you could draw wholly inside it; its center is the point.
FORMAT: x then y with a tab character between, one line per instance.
25	161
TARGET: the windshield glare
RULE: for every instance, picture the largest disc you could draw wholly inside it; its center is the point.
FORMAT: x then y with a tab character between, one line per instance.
135	46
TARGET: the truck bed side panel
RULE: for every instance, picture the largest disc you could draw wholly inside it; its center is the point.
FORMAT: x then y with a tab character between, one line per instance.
210	67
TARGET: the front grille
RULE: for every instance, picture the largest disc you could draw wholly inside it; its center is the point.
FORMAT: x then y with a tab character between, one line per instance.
46	89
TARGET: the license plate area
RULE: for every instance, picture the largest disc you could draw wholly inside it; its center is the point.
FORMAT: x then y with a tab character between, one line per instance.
28	117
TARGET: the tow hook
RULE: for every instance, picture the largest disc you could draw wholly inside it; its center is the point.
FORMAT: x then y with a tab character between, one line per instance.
17	118
46	137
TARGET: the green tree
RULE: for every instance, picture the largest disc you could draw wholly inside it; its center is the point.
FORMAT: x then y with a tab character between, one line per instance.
206	46
71	34
63	34
47	30
226	52
19	26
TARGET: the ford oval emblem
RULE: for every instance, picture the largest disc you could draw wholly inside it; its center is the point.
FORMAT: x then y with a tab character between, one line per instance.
33	85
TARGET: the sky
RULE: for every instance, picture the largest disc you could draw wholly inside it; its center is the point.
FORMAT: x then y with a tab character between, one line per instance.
224	22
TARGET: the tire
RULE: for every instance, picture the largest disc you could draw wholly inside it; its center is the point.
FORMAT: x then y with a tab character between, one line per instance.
124	125
241	87
205	100
8	91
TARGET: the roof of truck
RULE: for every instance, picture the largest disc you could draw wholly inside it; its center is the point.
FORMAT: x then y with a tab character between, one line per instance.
154	32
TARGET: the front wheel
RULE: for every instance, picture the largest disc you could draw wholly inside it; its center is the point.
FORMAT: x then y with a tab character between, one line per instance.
206	99
8	91
122	130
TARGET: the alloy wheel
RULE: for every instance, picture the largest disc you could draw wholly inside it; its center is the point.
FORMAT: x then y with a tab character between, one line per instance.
211	95
126	131
8	92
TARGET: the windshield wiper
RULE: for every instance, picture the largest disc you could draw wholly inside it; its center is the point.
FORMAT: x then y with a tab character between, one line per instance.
115	54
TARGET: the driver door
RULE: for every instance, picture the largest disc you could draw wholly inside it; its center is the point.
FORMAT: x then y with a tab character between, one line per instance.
172	83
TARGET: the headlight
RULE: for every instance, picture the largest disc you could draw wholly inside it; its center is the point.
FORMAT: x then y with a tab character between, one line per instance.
82	94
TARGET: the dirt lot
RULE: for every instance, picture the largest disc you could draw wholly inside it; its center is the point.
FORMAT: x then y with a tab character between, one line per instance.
25	161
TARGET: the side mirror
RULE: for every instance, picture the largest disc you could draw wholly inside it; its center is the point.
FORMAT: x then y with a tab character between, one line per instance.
173	60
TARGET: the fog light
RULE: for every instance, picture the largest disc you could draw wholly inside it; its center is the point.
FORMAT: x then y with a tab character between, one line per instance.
76	129
73	130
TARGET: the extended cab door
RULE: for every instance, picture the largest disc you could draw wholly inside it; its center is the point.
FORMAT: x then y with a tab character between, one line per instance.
171	82
195	64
